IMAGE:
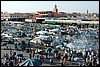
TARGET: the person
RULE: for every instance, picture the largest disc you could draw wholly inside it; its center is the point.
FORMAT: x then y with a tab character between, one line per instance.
28	44
59	55
97	61
6	55
83	54
15	45
6	61
14	53
24	45
61	62
72	58
15	60
42	58
19	61
11	63
94	60
46	55
74	51
11	57
37	57
64	61
33	53
83	64
51	60
55	55
89	64
62	57
30	54
10	51
80	64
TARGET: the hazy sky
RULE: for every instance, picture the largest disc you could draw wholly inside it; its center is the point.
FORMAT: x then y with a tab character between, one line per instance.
63	6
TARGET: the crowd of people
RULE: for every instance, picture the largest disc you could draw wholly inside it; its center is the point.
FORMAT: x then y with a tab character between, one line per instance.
89	58
11	60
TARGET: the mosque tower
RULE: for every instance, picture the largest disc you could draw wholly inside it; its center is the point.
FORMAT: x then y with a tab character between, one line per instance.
87	12
55	10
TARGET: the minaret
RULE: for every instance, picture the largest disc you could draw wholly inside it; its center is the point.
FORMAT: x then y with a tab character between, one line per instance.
55	9
87	11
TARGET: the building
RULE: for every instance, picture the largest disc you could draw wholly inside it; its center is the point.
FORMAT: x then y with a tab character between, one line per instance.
5	15
14	16
21	15
43	13
53	13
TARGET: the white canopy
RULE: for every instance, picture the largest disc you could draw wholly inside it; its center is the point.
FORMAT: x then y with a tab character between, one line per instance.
54	30
43	37
42	32
8	36
4	34
70	45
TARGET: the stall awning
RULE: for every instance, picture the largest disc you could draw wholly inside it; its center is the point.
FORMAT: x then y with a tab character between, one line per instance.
96	25
90	25
49	22
68	22
54	23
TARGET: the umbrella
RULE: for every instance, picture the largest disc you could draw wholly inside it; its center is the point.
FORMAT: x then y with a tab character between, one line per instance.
91	25
48	49
31	62
54	51
96	25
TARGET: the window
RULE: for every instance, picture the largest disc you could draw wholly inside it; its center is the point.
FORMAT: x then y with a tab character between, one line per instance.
6	16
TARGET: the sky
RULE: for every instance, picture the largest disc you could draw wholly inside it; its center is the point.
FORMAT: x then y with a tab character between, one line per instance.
63	6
